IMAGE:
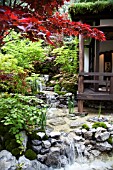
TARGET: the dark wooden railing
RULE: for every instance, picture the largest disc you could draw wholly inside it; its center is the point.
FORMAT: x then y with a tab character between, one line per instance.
93	78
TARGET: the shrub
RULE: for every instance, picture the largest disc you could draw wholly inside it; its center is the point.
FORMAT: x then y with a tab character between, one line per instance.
21	113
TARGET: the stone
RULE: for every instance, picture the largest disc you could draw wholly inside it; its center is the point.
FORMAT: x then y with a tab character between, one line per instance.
53	158
78	138
96	153
101	129
75	124
89	147
37	149
46	144
55	134
88	135
78	132
84	131
102	136
110	129
41	158
24	162
55	150
53	141
57	121
36	165
7	161
44	151
25	139
86	142
41	134
104	146
36	142
68	94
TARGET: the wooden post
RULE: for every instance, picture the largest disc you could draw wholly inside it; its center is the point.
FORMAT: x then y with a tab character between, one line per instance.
81	69
96	63
111	85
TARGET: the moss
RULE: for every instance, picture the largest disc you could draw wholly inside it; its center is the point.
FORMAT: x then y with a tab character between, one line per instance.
16	151
85	126
34	135
99	124
91	8
3	129
8	136
30	154
110	140
10	146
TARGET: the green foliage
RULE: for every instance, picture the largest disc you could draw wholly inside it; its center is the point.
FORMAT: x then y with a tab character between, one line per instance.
100	110
8	63
57	88
99	124
66	57
22	114
35	81
85	126
91	8
71	105
24	51
30	154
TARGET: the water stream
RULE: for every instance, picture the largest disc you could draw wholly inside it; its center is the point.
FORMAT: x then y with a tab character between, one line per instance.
97	164
77	162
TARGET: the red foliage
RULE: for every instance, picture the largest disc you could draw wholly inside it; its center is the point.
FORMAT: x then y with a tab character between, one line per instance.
38	19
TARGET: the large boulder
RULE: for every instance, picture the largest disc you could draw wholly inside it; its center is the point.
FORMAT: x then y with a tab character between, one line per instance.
7	161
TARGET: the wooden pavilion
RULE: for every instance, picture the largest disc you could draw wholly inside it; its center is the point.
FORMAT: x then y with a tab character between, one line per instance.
95	58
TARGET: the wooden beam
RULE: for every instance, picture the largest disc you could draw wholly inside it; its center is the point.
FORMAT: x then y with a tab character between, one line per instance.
95	74
81	69
111	85
93	96
96	63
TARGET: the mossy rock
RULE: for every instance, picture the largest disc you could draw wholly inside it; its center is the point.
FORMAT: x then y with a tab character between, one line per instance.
85	126
99	124
30	154
110	140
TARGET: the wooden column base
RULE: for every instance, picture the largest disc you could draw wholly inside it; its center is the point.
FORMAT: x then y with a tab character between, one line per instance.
80	106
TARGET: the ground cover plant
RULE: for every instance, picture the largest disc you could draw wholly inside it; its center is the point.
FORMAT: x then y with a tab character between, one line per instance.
18	113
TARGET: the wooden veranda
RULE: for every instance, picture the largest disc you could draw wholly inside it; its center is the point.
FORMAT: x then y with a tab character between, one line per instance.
89	83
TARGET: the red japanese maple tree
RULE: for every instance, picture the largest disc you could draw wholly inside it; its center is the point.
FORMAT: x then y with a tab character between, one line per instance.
38	19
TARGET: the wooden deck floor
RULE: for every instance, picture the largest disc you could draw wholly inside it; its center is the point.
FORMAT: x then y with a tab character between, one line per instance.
90	94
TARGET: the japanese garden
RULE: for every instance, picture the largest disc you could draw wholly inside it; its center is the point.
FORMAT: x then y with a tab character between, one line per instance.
56	84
